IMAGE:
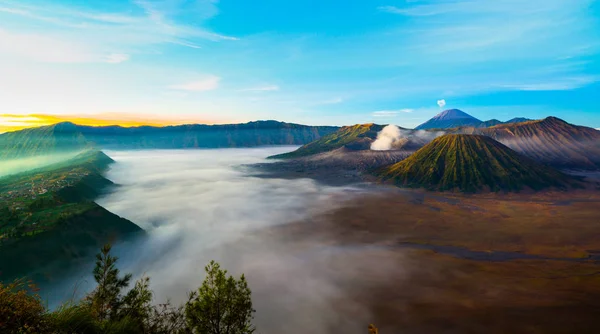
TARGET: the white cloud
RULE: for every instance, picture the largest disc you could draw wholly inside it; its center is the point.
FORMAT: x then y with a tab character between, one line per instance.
205	84
441	103
115	58
268	88
390	113
100	33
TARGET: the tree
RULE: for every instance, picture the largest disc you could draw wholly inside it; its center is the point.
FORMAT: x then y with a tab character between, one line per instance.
106	298
222	305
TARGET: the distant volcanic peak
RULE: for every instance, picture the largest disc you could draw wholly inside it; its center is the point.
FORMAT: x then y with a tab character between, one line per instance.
448	119
453	114
471	163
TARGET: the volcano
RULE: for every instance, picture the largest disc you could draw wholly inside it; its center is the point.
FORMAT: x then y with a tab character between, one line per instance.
472	163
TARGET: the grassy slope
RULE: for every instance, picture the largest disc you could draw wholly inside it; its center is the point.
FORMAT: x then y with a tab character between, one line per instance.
343	136
471	163
41	234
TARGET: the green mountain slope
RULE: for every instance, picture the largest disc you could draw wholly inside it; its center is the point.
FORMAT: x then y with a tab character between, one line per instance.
48	220
471	163
357	135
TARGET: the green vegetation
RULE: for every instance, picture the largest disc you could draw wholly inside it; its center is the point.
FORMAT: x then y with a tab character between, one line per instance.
222	305
472	163
344	136
48	219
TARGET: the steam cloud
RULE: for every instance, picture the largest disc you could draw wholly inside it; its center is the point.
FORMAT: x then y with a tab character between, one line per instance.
200	205
391	135
441	103
386	138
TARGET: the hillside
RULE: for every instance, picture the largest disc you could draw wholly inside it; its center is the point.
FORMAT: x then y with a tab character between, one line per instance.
471	163
551	141
48	220
45	140
357	137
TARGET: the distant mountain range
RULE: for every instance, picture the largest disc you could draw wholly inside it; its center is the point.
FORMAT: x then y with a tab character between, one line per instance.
454	118
472	163
68	136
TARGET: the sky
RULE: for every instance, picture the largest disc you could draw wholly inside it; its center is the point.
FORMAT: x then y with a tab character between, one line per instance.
326	62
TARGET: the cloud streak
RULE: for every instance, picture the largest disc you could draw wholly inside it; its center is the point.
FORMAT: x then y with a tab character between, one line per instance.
267	88
104	34
390	113
209	83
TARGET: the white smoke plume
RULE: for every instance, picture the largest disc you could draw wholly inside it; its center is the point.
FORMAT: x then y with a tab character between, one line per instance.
391	135
386	138
441	103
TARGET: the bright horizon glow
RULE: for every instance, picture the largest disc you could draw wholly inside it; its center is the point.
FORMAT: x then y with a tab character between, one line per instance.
335	63
9	123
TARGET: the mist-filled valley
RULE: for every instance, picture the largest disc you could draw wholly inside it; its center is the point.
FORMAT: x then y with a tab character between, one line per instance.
202	205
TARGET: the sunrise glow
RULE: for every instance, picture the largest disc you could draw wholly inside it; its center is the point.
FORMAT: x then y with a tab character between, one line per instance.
10	122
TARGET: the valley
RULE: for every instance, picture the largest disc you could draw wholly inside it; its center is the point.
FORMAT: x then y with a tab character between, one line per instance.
445	230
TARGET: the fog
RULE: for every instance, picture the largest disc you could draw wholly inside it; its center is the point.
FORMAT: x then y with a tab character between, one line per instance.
200	205
13	166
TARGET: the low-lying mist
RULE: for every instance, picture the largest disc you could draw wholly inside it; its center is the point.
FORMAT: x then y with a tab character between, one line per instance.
200	205
14	166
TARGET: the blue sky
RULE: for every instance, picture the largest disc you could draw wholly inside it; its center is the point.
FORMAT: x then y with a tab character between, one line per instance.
314	62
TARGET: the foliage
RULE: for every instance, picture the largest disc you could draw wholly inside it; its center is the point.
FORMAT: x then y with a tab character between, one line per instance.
21	309
106	299
222	305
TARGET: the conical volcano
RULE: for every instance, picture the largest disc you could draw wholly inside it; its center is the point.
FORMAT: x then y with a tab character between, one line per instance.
472	163
448	119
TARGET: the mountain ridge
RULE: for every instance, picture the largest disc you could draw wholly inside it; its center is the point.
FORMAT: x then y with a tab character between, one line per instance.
69	136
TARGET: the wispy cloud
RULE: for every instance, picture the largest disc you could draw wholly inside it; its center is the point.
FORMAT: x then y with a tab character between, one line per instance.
390	113
209	83
115	58
568	83
107	34
51	49
267	88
